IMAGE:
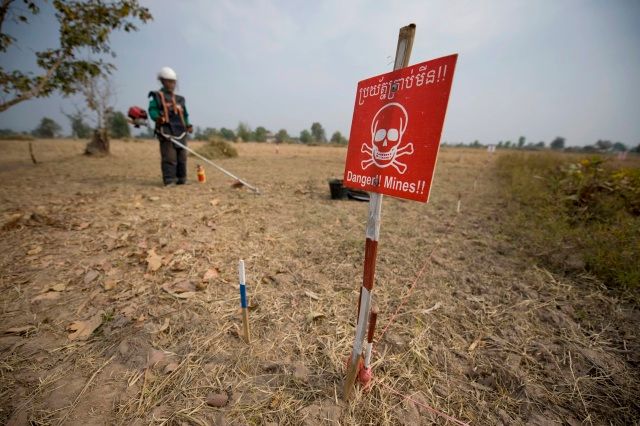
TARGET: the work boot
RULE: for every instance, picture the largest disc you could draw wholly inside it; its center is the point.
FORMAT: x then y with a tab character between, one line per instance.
169	184
182	182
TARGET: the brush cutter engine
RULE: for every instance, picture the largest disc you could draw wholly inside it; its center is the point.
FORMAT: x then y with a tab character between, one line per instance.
137	116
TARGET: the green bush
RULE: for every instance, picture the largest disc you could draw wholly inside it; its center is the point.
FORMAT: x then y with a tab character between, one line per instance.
576	213
217	148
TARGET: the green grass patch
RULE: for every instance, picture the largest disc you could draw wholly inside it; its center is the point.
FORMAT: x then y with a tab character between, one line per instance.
576	213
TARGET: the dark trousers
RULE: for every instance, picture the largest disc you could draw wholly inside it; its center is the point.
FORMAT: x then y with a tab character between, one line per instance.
174	162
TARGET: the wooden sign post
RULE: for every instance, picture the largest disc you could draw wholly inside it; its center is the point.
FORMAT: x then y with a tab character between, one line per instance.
393	146
403	53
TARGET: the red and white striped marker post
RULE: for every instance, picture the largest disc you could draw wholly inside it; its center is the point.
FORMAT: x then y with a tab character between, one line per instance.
403	53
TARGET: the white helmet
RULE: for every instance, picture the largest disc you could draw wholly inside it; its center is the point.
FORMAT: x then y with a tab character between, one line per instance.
167	73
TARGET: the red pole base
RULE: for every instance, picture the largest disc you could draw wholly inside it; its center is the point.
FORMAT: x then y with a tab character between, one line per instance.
365	376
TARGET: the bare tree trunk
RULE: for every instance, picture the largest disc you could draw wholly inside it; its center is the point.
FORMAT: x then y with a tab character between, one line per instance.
99	144
98	95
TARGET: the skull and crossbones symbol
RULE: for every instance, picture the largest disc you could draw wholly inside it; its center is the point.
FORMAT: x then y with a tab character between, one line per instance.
387	128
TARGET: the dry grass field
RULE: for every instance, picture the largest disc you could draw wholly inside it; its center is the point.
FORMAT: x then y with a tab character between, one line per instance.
119	299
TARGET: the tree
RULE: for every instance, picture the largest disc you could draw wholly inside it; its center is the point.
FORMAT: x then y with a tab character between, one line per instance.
318	134
305	136
98	96
79	129
227	134
507	144
47	129
206	134
282	136
260	134
339	139
84	27
604	145
620	147
540	145
557	143
244	131
119	126
212	132
636	149
521	141
500	144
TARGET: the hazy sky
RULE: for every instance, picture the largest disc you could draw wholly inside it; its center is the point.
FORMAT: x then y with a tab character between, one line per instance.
533	68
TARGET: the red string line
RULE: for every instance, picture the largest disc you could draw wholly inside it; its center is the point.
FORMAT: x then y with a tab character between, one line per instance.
425	265
426	261
412	287
427	407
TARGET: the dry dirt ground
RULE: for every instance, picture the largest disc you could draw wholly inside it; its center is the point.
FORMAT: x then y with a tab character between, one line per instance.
120	300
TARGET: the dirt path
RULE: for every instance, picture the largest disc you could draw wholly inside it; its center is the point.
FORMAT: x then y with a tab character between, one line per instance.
486	337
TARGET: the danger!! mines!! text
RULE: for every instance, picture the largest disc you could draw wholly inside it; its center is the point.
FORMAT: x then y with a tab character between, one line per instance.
389	182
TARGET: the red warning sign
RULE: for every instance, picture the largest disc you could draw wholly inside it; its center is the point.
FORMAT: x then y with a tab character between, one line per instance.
396	129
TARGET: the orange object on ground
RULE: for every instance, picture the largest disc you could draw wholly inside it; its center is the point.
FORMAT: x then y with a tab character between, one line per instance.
202	178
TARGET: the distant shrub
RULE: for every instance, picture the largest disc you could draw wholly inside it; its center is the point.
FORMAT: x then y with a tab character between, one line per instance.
577	213
217	148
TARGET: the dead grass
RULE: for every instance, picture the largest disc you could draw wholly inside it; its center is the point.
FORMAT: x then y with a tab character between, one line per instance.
217	148
487	337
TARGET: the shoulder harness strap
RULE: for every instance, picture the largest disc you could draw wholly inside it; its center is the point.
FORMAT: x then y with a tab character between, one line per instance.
178	108
165	110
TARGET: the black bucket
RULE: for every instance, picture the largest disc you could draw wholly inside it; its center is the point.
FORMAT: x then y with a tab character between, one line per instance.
338	192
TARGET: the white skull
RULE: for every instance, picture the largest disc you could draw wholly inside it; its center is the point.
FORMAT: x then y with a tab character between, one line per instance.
387	128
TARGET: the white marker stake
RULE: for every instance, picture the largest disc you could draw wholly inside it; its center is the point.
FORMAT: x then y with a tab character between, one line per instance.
403	52
243	301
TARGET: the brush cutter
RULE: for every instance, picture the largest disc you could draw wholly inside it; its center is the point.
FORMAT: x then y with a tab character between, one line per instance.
138	117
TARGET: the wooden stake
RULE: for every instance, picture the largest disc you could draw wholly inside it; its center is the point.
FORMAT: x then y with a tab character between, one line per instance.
33	157
243	302
403	53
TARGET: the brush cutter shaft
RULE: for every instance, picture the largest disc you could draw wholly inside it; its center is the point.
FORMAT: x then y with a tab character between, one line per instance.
183	146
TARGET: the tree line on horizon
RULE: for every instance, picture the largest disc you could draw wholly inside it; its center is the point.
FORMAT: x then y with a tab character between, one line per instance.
118	128
48	128
557	144
315	135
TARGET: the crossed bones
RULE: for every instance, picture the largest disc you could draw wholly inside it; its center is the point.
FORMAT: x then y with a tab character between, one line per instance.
399	152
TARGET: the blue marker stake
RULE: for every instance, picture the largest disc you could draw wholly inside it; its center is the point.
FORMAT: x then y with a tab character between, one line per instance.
243	301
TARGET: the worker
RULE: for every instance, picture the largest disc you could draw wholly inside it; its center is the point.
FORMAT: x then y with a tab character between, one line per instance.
169	112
